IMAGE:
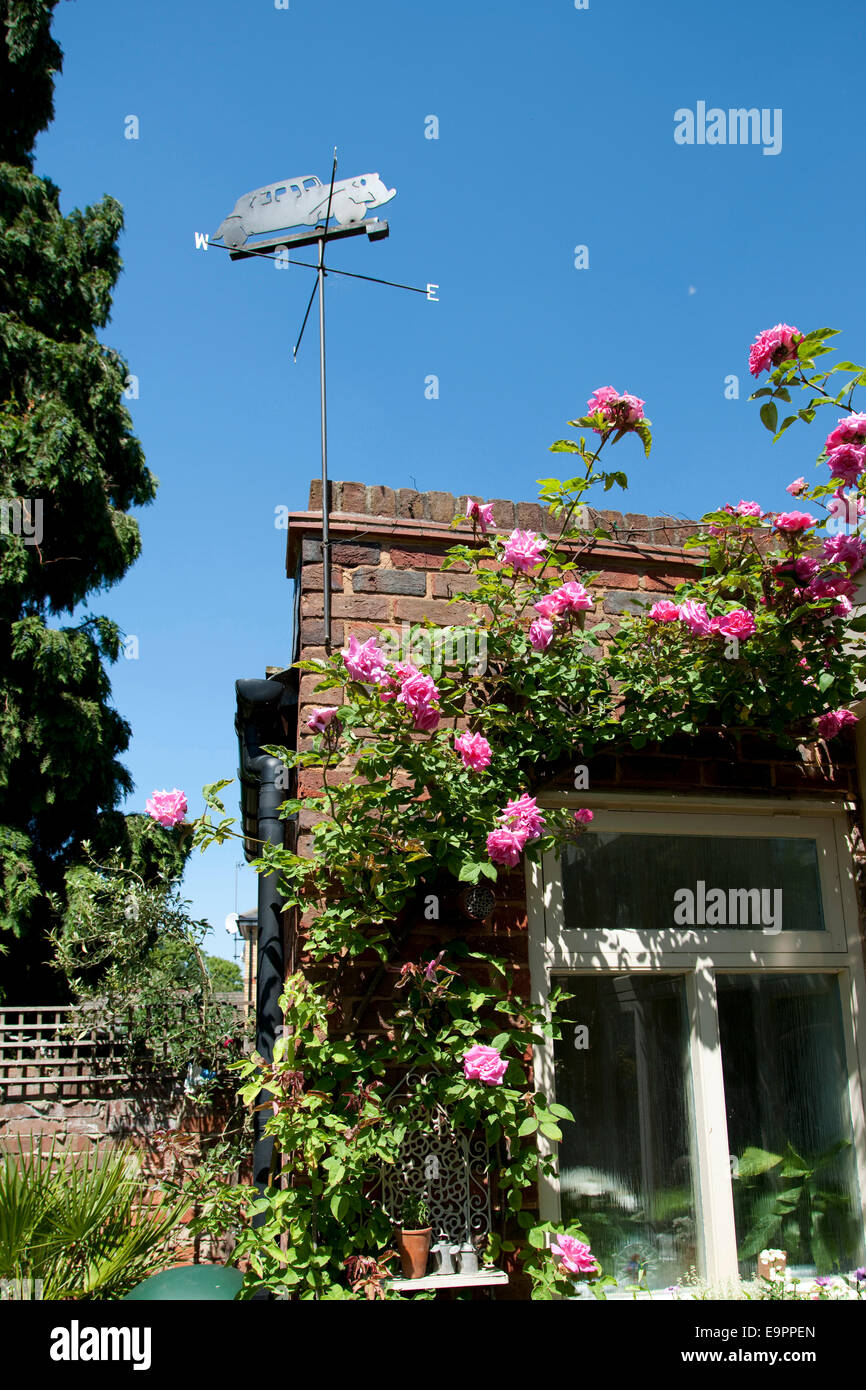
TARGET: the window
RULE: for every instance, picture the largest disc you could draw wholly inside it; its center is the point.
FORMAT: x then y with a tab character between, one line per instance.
278	193
311	183
711	1056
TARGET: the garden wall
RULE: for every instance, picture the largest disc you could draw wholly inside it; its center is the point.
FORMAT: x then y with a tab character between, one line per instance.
68	1089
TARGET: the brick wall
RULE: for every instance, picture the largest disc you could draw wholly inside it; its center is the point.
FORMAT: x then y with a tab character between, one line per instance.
166	1130
388	547
387	551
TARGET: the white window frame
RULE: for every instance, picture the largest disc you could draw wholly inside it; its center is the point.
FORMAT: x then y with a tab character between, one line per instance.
695	954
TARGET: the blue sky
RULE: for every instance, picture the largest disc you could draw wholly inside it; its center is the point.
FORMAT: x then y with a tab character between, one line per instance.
555	130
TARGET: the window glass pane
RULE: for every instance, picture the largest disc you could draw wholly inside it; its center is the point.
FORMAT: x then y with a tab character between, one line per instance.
624	1166
614	881
789	1122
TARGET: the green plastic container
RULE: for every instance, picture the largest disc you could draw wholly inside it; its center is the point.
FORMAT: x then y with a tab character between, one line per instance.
188	1283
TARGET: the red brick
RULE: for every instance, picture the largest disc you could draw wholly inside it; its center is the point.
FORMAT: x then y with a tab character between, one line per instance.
415	610
531	516
419	559
353	497
315	502
313	631
411	504
640	526
313	577
308	692
448	584
660	583
618	579
351	553
382	501
310	781
442	506
363	606
503	513
610	521
361	630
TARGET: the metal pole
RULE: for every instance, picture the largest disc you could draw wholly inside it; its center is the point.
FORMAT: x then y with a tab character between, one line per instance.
326	543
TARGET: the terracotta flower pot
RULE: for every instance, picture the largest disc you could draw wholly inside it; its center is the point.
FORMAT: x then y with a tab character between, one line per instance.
414	1248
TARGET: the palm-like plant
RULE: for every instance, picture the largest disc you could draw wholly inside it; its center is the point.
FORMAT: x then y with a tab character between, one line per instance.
84	1226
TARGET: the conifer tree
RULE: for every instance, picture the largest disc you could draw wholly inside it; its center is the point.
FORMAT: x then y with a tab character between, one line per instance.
70	471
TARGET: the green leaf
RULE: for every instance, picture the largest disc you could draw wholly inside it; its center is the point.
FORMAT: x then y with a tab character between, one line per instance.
529	1126
339	1205
551	1131
754	1162
770	415
561	1112
565	446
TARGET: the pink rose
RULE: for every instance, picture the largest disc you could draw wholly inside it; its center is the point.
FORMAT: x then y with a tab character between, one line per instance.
524	816
167	808
851	429
694	615
806	567
846	462
846	550
620	410
320	720
474	750
830	586
484	1064
548	607
572	597
832	723
524	550
583	817
602	399
366	663
576	1256
425	719
482	514
794	521
774	346
748	509
505	846
796	487
541	634
738	623
417	690
664	612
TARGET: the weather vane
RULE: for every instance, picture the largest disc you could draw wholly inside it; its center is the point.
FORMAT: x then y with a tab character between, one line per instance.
300	202
276	209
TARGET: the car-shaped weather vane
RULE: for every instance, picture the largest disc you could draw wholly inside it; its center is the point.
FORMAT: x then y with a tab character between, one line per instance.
301	202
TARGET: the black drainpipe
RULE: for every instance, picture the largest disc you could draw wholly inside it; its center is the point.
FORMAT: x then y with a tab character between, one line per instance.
263	790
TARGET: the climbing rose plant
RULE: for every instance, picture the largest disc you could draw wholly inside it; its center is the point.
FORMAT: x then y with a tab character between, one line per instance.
428	779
